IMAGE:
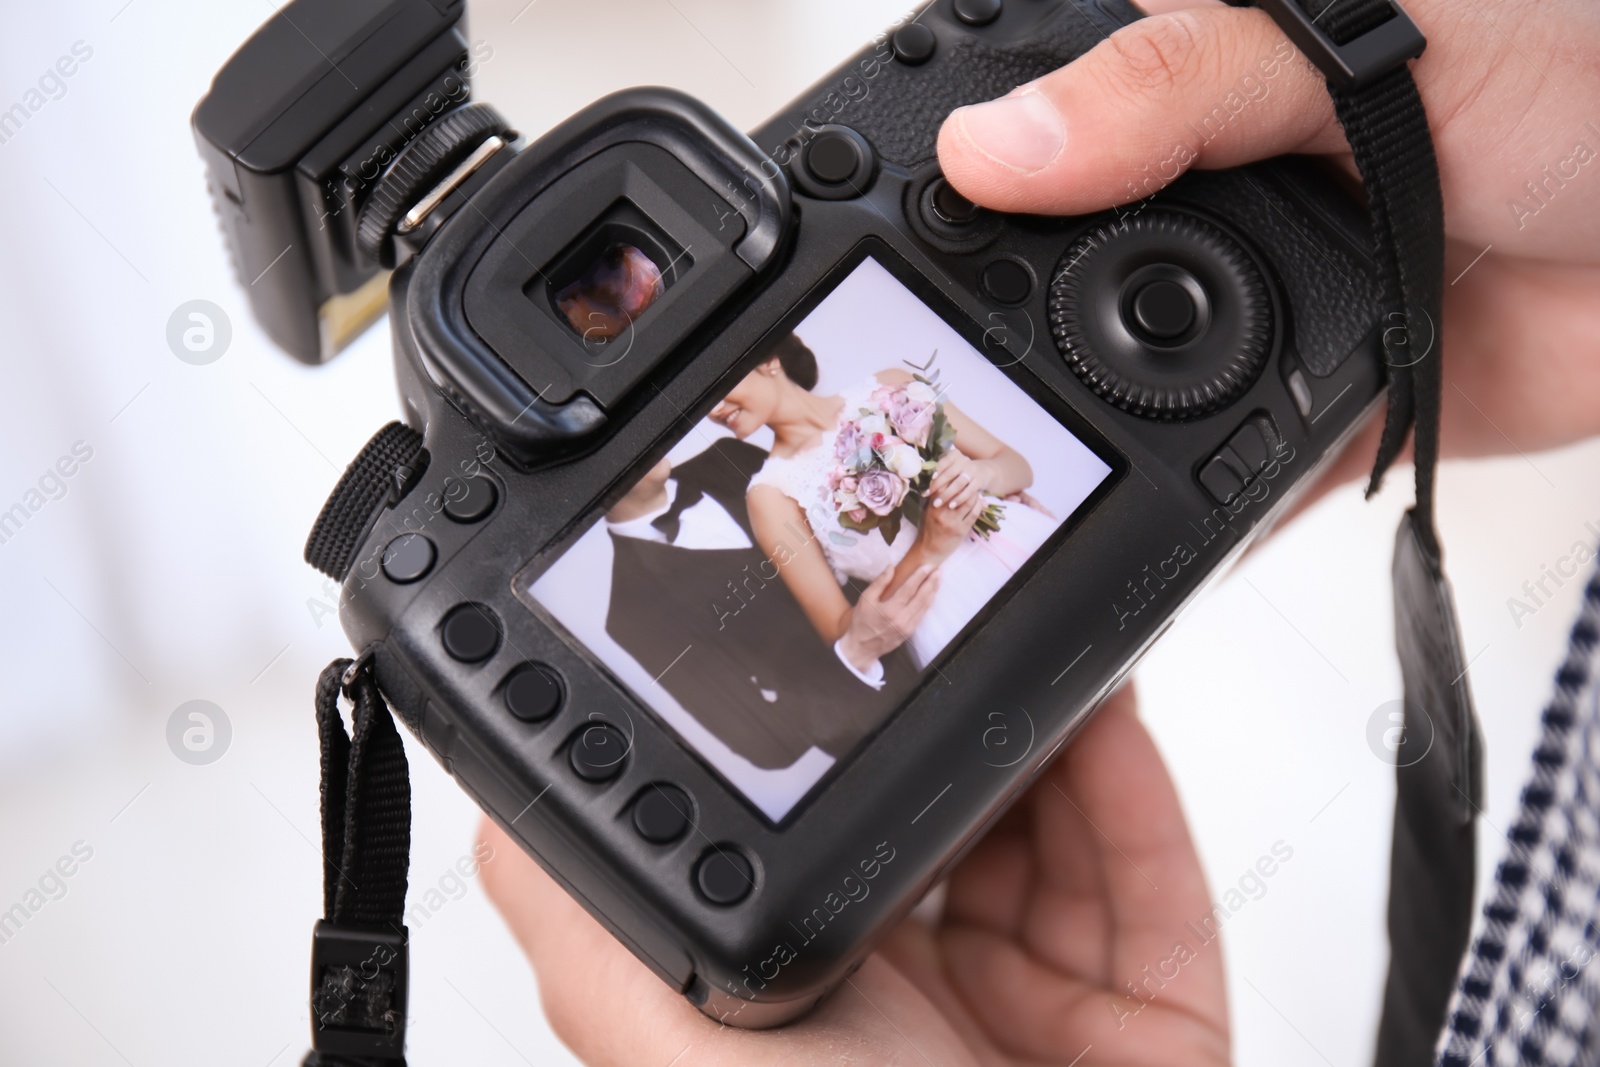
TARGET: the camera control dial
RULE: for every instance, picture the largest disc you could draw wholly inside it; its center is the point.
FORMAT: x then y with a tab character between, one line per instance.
1164	315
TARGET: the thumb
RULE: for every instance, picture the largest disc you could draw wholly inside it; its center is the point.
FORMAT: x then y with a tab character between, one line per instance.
1211	86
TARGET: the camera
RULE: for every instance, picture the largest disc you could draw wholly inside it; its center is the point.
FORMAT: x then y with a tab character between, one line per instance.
765	515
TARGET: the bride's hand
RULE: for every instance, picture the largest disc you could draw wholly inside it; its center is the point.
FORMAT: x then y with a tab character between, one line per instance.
957	482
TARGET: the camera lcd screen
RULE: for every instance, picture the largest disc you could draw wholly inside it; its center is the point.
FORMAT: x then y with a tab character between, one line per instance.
779	583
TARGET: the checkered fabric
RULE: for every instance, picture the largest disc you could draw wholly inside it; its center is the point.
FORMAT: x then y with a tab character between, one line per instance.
1529	991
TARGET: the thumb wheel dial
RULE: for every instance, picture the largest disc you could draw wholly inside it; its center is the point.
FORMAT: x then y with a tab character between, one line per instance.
1162	314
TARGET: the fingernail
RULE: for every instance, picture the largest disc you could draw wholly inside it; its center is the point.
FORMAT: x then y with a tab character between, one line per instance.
1023	132
938	503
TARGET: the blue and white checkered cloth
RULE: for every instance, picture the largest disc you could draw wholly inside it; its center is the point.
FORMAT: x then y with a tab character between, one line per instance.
1529	991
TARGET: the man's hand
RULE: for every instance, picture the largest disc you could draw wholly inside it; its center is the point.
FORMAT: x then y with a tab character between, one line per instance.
1510	89
881	621
1087	882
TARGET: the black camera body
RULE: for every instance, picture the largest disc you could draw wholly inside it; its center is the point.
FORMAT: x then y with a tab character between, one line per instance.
568	314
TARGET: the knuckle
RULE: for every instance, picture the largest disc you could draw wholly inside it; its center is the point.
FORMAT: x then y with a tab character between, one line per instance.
1161	53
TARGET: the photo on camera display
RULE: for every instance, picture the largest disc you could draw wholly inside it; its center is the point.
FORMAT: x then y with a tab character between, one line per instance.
731	589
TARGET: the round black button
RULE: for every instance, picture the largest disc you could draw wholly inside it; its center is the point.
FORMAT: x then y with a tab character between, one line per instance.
1163	309
1007	281
724	876
407	558
913	43
977	12
661	814
470	633
950	205
471	503
532	693
832	157
597	753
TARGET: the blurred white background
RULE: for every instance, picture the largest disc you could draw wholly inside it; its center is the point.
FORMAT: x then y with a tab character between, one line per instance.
170	571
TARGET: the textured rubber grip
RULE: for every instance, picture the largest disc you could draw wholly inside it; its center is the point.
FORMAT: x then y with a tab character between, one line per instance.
906	105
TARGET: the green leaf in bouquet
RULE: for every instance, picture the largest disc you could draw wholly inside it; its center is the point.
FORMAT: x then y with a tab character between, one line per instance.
889	526
911	507
866	525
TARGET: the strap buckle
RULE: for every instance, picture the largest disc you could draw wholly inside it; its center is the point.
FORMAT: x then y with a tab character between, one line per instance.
1355	64
358	991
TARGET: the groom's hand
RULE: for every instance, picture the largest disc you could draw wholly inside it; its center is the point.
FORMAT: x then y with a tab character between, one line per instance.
881	621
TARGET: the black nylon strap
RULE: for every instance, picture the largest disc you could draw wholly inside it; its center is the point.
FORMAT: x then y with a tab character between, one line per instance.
1433	854
1432	857
1386	126
359	958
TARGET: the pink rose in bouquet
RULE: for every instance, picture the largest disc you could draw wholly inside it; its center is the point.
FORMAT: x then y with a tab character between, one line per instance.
881	491
887	453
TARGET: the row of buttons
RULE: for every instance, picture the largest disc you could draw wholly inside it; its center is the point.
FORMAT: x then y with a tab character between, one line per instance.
835	164
533	693
915	44
409	557
838	162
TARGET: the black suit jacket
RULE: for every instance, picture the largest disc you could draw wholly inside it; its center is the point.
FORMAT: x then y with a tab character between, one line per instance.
722	633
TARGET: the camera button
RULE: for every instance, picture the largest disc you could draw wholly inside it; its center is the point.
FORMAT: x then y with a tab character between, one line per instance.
837	163
1249	445
832	157
913	44
978	12
1246	456
1220	479
597	753
1007	281
949	205
724	876
662	813
470	633
532	693
1163	309
407	558
478	500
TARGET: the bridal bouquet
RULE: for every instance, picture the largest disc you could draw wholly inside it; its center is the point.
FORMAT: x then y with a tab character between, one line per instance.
886	455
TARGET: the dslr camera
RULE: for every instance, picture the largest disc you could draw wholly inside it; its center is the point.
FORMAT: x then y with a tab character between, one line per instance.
765	515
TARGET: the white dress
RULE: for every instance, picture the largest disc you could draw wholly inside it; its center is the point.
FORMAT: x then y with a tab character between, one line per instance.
969	577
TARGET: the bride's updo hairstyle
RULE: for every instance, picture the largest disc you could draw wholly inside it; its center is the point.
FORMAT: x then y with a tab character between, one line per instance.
799	363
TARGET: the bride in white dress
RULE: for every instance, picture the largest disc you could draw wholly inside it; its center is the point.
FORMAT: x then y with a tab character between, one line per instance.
931	580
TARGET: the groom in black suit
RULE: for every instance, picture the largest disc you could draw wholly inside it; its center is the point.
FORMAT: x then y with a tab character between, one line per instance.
699	605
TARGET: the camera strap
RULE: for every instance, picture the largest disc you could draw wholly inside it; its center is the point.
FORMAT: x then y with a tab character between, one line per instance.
1362	47
359	958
